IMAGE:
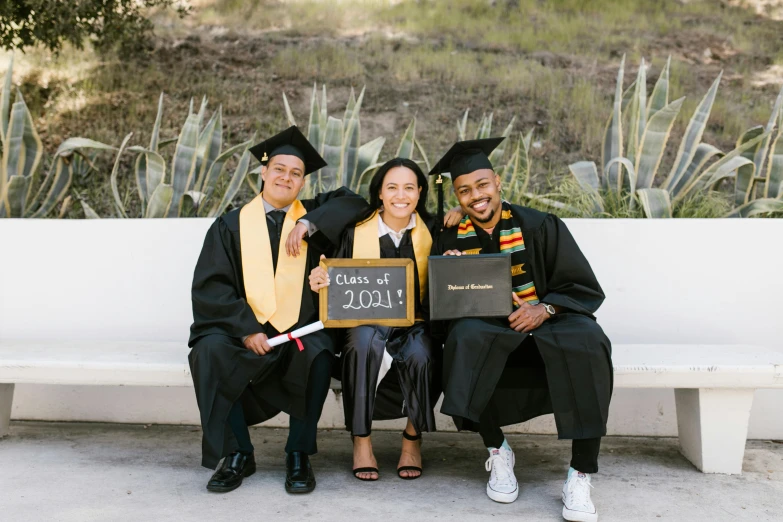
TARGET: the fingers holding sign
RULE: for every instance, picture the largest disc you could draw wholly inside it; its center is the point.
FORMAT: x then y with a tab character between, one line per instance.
454	253
319	278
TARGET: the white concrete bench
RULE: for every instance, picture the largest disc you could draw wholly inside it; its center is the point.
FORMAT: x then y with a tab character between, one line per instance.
713	384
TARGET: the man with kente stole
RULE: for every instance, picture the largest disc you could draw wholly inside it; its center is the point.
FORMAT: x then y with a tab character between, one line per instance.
548	356
249	286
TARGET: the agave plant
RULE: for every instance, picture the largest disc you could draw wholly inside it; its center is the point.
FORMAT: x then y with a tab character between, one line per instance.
630	161
21	193
338	141
197	168
759	190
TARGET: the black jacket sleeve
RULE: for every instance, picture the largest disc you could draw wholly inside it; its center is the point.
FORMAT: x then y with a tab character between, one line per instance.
333	211
570	282
218	308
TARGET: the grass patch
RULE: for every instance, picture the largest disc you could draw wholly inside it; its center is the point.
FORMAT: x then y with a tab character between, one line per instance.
550	64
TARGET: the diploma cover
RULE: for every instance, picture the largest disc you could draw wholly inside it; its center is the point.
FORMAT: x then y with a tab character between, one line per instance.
470	286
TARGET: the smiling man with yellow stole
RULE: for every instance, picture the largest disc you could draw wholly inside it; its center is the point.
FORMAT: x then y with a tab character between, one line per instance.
249	286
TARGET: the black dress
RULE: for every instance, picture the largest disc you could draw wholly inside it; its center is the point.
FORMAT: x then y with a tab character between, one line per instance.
223	370
571	374
412	385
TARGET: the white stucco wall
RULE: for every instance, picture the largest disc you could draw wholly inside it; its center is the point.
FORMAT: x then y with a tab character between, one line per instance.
666	281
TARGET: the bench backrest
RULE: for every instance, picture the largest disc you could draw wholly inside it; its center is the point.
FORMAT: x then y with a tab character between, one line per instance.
666	281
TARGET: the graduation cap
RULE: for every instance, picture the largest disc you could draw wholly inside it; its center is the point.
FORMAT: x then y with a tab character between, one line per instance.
292	143
463	157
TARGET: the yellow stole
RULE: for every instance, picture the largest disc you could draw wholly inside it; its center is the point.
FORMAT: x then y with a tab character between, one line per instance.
279	307
367	246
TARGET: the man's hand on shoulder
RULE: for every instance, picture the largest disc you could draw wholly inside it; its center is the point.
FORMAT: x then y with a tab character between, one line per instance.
257	344
453	217
293	244
527	317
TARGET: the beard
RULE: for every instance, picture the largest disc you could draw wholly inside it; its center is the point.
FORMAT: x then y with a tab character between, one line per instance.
486	219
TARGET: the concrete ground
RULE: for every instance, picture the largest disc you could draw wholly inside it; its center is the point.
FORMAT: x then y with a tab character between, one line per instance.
83	472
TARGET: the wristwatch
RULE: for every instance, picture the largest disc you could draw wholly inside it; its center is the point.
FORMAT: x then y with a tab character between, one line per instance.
549	308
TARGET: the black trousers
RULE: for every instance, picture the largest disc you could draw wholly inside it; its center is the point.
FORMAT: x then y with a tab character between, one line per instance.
301	432
584	452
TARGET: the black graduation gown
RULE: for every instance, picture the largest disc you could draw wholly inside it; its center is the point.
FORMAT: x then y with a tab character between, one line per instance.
412	386
223	370
576	378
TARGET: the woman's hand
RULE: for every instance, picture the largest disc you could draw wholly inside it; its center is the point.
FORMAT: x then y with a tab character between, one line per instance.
453	217
319	278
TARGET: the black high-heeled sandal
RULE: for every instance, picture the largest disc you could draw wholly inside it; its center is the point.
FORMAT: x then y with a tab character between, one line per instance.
410	468
365	470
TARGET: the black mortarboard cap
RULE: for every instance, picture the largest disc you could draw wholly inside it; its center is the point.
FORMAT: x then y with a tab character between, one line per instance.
463	157
468	156
293	143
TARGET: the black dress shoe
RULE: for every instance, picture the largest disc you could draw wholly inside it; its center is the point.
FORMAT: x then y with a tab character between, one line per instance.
229	477
299	476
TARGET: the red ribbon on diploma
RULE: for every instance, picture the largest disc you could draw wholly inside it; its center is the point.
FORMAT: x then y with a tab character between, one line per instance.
296	334
298	342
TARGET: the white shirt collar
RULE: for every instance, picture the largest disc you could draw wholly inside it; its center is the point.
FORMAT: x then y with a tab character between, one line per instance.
384	229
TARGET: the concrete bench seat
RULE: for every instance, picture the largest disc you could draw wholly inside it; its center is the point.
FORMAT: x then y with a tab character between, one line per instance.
714	384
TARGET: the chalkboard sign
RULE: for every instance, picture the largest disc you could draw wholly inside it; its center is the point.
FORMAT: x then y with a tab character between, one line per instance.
367	291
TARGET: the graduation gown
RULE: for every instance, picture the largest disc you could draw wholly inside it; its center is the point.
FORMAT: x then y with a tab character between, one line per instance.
575	378
411	387
223	370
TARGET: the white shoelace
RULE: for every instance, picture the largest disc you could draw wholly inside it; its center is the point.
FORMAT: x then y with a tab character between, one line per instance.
501	473
579	491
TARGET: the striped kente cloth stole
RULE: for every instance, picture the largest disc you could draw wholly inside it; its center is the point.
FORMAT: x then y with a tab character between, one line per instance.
511	242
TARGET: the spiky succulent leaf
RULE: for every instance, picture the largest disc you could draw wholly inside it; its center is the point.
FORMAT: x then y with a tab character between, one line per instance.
15	196
63	175
613	137
656	202
288	112
653	143
757	207
368	155
233	185
160	200
405	150
586	175
183	164
692	138
333	155
660	94
118	204
5	100
743	183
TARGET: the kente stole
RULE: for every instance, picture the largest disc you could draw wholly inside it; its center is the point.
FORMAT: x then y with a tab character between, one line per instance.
367	246
274	296
511	242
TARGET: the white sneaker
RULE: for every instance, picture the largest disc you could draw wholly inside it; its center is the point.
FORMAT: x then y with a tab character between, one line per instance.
577	506
502	485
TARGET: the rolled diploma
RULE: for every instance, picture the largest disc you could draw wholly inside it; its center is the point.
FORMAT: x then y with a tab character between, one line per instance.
300	332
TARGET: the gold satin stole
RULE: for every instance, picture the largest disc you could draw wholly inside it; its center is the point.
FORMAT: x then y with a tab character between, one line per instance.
274	296
367	246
